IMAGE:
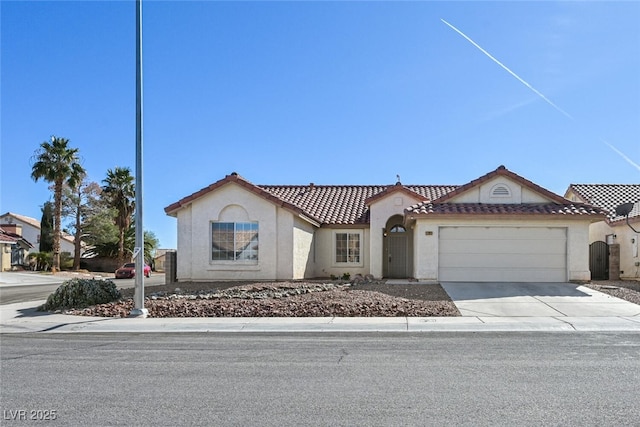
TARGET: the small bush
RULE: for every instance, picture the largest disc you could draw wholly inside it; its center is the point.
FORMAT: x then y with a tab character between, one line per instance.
80	293
346	276
66	261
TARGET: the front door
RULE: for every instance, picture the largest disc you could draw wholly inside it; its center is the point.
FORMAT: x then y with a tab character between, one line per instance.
397	252
599	260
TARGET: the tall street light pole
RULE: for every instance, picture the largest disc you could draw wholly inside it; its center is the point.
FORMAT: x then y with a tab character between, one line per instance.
138	298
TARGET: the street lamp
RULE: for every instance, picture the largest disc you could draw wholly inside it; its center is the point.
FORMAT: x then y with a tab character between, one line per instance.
138	296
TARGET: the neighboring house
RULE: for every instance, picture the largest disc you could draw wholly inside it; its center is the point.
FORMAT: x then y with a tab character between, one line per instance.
612	230
13	248
499	227
31	232
160	258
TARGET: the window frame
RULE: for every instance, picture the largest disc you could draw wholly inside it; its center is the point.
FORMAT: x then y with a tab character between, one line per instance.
236	260
360	255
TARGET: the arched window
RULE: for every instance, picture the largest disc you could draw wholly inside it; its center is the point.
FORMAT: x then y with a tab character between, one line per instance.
397	229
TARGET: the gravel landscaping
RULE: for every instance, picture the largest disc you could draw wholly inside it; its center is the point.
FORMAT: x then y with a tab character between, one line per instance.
374	298
284	299
628	290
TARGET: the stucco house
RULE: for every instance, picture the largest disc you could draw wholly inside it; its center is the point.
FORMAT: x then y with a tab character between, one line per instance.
30	231
612	235
499	227
159	259
13	249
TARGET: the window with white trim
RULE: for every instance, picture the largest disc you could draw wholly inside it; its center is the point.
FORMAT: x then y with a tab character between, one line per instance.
234	241
348	248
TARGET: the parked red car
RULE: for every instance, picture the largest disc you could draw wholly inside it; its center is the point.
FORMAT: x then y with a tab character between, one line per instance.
128	271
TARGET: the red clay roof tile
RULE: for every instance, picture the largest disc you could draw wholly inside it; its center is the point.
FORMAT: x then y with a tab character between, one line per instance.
348	204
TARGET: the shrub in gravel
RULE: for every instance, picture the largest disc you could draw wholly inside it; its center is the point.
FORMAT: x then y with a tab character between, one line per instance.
79	293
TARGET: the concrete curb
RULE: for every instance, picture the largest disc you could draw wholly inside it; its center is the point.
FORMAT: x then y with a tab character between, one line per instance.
23	318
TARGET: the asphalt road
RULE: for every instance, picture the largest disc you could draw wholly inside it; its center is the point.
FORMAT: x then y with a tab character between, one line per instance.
40	291
504	379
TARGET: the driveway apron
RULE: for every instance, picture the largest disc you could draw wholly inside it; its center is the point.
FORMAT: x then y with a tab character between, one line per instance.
511	299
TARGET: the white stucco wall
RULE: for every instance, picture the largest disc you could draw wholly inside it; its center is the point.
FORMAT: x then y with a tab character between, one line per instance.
379	213
483	193
233	203
184	244
426	240
325	253
303	250
5	257
628	241
32	235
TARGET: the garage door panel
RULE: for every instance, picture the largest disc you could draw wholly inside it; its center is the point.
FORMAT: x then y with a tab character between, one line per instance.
498	246
502	233
502	254
511	260
504	275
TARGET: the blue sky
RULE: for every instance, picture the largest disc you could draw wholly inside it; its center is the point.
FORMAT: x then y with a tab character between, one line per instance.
324	92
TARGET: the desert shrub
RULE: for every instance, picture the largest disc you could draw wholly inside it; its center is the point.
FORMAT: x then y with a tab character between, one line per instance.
66	261
41	261
80	293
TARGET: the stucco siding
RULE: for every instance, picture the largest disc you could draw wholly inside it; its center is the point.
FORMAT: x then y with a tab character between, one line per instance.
380	212
325	253
303	250
32	235
485	193
628	241
5	256
184	249
529	196
230	203
599	231
284	245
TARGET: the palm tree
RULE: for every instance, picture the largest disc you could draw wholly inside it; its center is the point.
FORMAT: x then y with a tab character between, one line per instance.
57	163
119	191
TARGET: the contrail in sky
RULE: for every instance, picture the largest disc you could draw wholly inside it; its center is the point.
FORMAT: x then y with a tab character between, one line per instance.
537	92
631	162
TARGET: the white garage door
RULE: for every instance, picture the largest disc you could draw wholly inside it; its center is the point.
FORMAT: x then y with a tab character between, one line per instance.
502	254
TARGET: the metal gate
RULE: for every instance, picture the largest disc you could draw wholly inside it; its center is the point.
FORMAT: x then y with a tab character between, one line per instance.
599	260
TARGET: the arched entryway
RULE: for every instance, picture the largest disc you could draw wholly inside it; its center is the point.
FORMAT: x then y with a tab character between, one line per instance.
397	251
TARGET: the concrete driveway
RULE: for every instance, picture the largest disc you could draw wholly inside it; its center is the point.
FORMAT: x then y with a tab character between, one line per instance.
535	300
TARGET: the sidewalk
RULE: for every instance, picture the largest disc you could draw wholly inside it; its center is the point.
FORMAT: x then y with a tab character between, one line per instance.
23	318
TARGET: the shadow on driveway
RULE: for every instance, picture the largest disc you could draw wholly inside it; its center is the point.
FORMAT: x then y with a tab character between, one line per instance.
488	290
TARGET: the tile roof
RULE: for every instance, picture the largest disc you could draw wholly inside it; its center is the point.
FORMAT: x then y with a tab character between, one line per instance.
7	238
502	171
35	223
425	209
343	204
609	196
348	204
10	237
325	204
26	219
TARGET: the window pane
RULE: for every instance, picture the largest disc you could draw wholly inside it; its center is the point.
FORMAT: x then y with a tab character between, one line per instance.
348	247
234	241
341	247
354	247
